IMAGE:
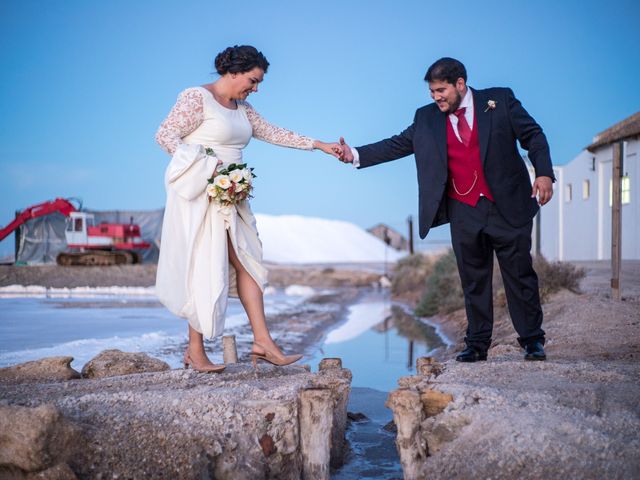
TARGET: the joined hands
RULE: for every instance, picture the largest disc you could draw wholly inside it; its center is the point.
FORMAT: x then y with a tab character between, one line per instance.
347	154
340	150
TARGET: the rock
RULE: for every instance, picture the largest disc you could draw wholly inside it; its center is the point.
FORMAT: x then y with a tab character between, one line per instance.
35	439
62	471
244	423
434	402
439	431
357	417
112	363
427	366
390	427
51	369
410	381
267	444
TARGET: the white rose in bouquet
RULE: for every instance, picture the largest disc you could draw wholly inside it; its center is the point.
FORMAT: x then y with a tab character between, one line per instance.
246	173
222	181
236	176
211	190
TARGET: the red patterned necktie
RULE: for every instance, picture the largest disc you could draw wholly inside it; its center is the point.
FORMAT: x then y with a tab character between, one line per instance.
463	127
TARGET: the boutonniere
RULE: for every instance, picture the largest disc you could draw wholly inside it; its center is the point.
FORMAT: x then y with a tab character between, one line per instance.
491	104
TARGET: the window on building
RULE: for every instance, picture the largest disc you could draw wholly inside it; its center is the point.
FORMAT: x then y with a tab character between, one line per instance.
625	193
586	189
567	193
626	189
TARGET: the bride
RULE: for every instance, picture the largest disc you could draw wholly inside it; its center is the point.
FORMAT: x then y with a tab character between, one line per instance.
210	251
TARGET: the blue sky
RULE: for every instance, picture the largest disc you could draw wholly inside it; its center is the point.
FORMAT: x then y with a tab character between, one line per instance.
85	85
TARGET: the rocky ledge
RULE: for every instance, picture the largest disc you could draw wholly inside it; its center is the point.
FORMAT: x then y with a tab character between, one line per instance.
574	416
244	423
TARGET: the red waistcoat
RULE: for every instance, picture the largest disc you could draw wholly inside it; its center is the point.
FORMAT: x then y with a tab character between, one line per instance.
465	168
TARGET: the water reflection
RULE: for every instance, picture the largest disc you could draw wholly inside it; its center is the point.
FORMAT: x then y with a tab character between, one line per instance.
379	342
413	329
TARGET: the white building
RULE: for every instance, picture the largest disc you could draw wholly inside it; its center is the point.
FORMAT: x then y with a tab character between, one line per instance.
576	225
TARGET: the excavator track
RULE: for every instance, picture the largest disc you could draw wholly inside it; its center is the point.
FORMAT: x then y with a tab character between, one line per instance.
98	258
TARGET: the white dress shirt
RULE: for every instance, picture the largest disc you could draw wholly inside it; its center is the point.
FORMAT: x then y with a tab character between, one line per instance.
467	102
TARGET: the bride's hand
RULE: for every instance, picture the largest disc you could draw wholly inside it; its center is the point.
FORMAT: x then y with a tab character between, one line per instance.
215	170
333	149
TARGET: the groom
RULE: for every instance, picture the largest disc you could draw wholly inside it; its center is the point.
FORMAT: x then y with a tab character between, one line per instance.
471	175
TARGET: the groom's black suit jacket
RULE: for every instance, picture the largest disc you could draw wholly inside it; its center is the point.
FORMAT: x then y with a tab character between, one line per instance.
504	168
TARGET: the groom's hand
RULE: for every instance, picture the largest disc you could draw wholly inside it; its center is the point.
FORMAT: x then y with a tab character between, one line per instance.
543	189
347	154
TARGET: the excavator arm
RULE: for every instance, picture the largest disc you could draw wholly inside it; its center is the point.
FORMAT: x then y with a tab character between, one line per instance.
61	205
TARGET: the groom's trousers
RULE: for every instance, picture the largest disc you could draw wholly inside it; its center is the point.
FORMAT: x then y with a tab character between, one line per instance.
476	233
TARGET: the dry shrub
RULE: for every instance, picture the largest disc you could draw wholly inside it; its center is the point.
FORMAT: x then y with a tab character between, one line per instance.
554	276
443	291
410	273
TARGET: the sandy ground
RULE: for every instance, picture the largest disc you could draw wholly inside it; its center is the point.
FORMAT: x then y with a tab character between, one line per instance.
145	275
577	415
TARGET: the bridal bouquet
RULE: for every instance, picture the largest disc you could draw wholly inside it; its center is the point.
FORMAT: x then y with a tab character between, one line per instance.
231	184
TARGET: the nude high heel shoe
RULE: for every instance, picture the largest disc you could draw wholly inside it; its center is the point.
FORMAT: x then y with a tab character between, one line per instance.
211	368
273	358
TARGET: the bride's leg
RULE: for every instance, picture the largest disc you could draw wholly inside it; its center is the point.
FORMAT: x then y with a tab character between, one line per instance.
252	301
196	346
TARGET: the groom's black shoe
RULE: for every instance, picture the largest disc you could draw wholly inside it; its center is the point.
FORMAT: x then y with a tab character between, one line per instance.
534	351
470	354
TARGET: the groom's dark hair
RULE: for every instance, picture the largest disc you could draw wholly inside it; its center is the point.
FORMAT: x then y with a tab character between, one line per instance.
446	70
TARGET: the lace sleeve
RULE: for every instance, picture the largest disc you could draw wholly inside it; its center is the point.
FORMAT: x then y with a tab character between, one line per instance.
185	116
263	130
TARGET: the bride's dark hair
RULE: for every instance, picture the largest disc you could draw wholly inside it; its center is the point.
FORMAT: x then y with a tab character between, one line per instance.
240	59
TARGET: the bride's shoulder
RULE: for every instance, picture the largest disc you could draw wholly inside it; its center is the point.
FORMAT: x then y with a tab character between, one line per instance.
191	97
191	92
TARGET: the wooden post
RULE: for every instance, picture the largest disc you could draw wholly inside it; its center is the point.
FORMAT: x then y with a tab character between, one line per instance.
315	419
229	351
616	221
412	448
330	363
338	380
410	222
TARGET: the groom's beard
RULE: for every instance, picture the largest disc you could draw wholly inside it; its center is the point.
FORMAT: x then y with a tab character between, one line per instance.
455	104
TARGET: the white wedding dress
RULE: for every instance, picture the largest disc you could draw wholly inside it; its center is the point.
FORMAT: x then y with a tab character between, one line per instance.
194	275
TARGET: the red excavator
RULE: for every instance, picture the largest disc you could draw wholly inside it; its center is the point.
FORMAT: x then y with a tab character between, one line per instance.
104	244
